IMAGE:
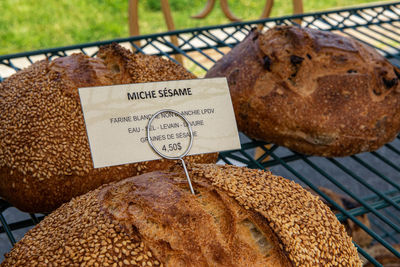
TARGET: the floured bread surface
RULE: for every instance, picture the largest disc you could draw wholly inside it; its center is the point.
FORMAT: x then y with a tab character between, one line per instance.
238	217
315	92
44	152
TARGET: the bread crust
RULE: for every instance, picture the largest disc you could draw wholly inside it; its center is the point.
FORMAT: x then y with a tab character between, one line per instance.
315	92
239	217
182	230
44	154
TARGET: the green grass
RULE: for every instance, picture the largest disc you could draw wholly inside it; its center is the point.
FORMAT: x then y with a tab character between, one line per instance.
35	24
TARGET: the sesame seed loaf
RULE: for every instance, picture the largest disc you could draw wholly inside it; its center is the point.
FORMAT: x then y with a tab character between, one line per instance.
312	91
44	152
238	217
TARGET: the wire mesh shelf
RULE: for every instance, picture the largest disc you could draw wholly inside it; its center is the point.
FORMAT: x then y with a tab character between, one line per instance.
370	180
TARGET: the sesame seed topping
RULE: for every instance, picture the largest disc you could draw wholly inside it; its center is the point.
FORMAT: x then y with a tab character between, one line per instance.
308	231
71	226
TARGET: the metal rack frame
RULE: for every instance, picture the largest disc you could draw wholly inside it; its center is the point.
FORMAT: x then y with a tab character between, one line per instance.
371	179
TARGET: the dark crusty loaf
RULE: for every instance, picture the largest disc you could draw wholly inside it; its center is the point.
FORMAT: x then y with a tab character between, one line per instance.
315	92
239	217
44	153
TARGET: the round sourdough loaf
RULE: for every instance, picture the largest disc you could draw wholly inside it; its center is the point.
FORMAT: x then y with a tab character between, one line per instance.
238	217
315	92
44	152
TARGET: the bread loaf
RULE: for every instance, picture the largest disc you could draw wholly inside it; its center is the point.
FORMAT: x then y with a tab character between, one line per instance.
238	217
314	92
44	152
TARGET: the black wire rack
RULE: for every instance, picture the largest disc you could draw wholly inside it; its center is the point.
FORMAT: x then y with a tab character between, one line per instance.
371	180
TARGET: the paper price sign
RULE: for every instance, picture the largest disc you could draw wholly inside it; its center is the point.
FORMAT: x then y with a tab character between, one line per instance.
117	116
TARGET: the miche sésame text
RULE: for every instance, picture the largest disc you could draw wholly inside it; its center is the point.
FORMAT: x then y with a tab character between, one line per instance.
166	92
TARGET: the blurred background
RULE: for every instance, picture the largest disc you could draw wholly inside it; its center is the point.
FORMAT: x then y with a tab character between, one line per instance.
27	25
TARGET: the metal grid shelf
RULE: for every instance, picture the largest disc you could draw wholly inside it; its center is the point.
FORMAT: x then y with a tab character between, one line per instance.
370	179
